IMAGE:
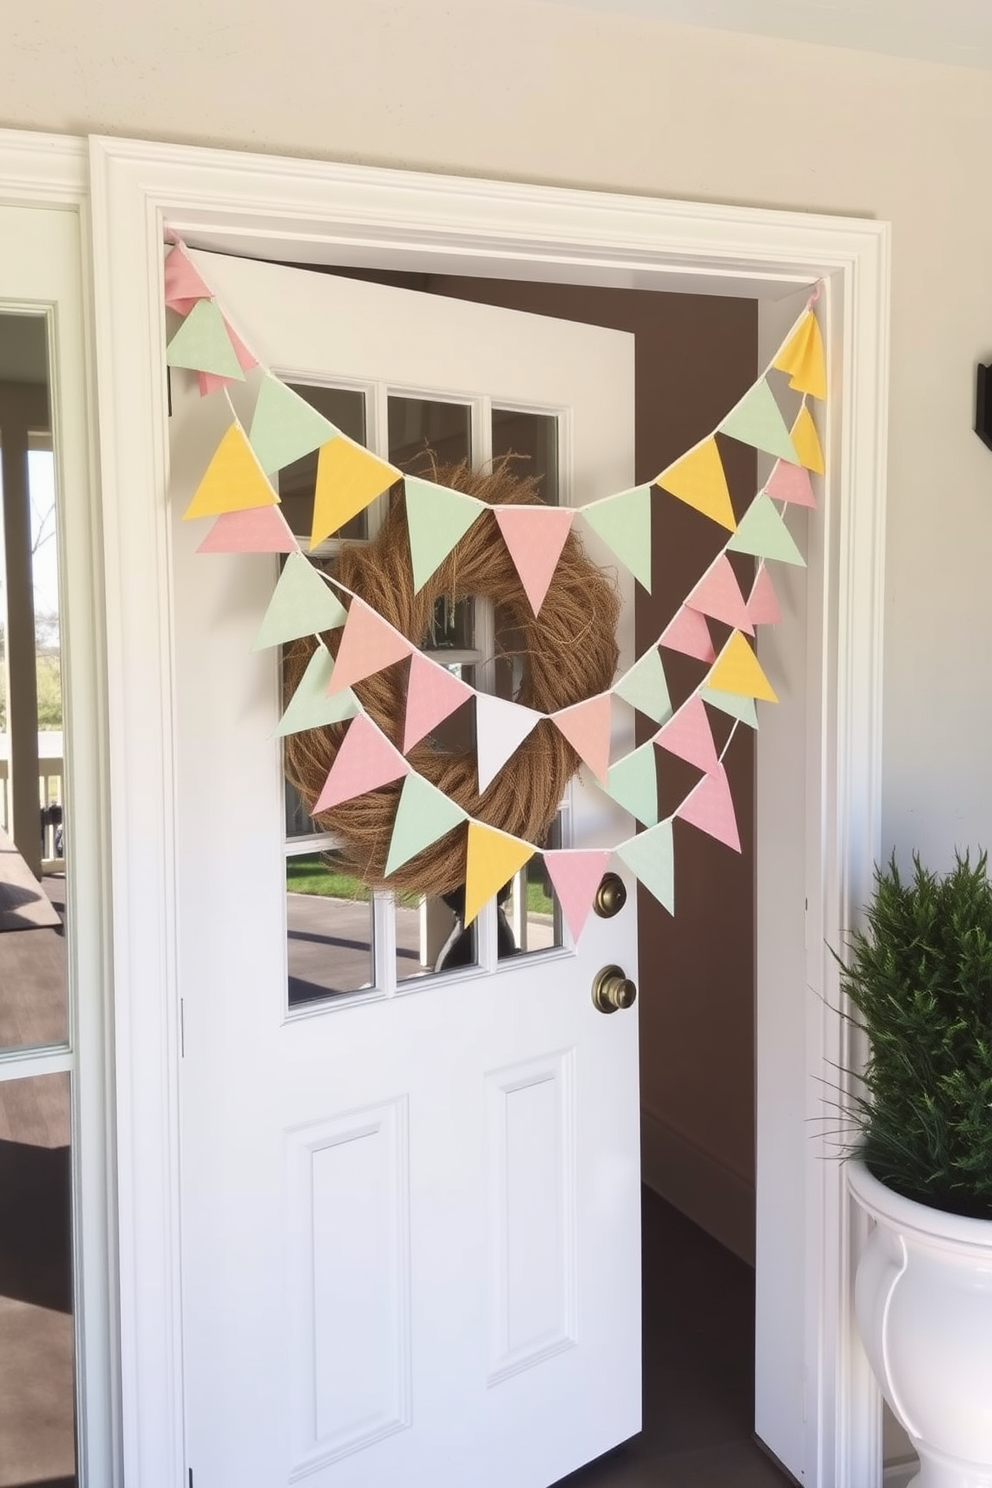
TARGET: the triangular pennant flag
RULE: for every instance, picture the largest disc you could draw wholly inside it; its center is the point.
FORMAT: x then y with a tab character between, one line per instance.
624	523
183	284
301	604
202	343
534	537
688	736
575	874
802	357
710	807
587	726
492	859
263	529
432	694
688	633
736	669
349	478
698	479
762	604
807	442
789	482
423	815
763	534
500	728
651	857
368	645
633	784
310	707
645	687
718	594
233	481
437	518
757	420
209	382
364	761
284	426
731	703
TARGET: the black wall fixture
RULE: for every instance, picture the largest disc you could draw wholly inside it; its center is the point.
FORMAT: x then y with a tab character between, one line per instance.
983	404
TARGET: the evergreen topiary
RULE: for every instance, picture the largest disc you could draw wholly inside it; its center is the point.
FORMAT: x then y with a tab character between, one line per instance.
920	977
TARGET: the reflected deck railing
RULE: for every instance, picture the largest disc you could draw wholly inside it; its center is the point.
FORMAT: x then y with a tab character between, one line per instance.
51	770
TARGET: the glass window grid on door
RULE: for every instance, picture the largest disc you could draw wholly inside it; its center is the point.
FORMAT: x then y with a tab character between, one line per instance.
344	942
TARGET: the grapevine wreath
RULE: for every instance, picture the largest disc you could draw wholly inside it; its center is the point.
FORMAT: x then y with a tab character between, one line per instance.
568	652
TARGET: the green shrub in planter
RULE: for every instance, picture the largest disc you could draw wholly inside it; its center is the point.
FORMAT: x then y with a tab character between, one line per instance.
920	977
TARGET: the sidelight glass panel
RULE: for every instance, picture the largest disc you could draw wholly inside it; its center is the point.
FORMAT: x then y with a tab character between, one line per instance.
345	408
37	1407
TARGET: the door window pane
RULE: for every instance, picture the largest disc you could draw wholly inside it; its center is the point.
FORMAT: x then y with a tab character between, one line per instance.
529	907
346	410
329	927
420	429
534	436
37	1406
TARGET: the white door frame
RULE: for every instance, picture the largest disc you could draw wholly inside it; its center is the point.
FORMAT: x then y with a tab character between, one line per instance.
302	211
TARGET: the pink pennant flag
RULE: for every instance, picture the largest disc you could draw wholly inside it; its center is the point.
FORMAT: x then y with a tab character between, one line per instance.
432	694
576	875
365	760
688	632
209	382
261	529
689	736
789	482
710	807
183	284
718	595
368	644
762	604
586	726
535	536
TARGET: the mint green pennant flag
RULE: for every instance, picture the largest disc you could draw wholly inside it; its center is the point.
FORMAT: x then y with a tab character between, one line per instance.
284	426
423	815
651	857
645	687
301	604
436	518
762	533
633	784
757	420
742	708
310	707
203	345
624	523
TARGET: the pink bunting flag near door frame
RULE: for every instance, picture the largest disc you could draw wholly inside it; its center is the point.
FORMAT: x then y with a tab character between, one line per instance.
535	536
432	694
718	595
688	736
710	807
587	726
575	874
789	482
183	283
369	644
260	529
688	633
762	604
365	760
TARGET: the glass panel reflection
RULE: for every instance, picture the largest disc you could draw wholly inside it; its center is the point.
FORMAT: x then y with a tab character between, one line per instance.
33	830
535	436
37	1401
422	432
329	927
529	907
346	410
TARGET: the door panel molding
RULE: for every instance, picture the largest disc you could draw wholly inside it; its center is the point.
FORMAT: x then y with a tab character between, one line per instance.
302	211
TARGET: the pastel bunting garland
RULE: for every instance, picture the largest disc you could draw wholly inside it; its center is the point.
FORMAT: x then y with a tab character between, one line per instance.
236	491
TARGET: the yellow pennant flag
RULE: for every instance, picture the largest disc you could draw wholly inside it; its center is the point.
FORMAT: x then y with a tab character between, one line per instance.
233	481
807	441
493	858
802	357
348	479
736	670
698	479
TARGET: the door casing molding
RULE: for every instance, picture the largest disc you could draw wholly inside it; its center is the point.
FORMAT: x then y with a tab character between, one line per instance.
304	211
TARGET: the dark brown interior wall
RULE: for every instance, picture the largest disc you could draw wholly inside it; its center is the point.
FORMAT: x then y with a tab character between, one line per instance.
695	356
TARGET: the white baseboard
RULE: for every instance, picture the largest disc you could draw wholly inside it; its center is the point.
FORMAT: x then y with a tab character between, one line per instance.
699	1185
900	1474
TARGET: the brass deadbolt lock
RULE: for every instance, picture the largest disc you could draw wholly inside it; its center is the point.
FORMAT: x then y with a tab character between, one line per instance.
612	990
611	896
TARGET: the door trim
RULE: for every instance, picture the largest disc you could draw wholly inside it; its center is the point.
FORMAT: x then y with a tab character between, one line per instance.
305	211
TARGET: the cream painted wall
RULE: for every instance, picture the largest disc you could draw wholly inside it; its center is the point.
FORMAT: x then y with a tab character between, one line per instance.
544	93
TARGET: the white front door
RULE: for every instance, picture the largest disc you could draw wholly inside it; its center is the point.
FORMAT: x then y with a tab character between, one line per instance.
410	1201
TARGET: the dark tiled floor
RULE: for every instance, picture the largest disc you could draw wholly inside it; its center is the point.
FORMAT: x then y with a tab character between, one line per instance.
698	1369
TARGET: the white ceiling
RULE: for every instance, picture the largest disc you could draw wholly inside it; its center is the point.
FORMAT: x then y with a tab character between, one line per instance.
954	31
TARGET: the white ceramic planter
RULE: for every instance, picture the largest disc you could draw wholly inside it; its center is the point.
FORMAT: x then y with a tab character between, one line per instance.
923	1299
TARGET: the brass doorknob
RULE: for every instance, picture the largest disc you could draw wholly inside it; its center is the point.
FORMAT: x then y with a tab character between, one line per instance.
612	990
611	896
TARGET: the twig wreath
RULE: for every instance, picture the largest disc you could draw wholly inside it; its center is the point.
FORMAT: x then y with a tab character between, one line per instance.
363	701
